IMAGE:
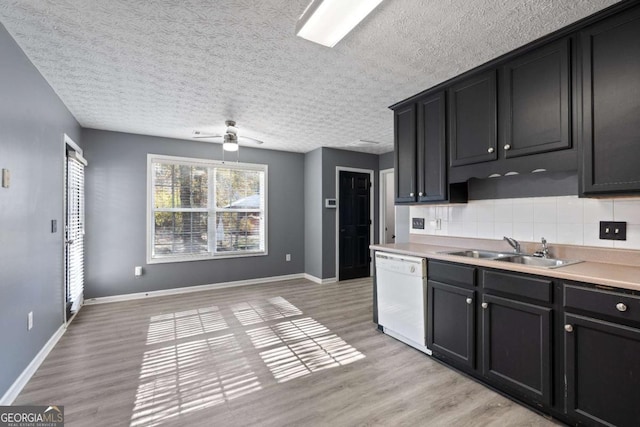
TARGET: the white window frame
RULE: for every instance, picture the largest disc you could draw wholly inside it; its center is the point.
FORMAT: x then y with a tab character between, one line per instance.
211	209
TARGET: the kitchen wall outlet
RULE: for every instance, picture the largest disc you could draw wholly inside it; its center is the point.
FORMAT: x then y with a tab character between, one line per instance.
137	271
287	257
30	321
613	230
6	178
417	223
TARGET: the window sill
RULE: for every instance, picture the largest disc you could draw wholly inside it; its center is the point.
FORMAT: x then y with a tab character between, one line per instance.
203	258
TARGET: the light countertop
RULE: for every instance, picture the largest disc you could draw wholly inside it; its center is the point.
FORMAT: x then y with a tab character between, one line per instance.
603	274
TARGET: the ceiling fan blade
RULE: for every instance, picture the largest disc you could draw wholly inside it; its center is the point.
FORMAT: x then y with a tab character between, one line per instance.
248	139
204	136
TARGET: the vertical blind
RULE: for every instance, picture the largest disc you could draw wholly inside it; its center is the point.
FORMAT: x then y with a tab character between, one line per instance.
74	254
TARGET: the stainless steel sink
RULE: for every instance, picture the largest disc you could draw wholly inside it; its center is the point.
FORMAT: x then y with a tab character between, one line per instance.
479	254
514	258
537	262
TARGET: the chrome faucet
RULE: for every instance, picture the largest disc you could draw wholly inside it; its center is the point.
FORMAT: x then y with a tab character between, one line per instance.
513	243
544	253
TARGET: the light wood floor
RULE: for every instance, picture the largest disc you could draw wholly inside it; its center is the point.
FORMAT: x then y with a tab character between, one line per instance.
287	353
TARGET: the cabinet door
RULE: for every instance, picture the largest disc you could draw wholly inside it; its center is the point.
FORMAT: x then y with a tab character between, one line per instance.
516	339
405	153
536	102
432	156
451	322
611	105
473	120
603	372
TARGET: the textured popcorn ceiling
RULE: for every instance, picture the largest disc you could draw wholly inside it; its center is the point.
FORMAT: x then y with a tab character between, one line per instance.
167	67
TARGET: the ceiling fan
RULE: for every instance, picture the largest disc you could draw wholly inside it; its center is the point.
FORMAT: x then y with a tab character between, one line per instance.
230	138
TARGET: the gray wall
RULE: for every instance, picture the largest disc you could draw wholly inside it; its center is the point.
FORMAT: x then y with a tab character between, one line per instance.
386	161
331	158
313	209
32	123
116	195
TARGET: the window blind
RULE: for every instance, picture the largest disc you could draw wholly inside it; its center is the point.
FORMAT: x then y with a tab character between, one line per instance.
74	254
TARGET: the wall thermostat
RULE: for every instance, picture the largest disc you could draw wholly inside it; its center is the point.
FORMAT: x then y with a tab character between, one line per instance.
330	203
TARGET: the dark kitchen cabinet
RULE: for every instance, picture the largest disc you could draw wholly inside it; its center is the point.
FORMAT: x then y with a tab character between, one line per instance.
432	146
602	372
405	153
536	101
473	120
611	105
602	341
516	342
451	313
517	334
451	323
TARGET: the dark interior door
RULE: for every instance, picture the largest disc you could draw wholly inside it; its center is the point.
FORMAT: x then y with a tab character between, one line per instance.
354	225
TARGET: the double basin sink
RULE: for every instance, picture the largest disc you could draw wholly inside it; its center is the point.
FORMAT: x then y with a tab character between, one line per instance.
530	260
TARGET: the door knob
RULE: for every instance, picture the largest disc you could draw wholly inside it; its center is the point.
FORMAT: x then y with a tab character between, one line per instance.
568	328
490	150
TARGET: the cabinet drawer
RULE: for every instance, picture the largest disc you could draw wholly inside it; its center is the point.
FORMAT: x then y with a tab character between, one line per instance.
608	303
517	284
454	274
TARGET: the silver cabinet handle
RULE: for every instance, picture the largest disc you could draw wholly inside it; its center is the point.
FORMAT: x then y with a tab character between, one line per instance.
621	306
420	194
469	300
568	328
507	147
485	305
410	194
490	150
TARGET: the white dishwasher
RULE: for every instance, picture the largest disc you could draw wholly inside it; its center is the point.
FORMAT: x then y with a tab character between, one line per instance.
401	283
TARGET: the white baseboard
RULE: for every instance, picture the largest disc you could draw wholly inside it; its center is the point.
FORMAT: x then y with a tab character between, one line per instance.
28	372
189	289
319	280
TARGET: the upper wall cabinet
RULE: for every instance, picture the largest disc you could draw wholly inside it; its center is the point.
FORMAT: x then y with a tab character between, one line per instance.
432	146
473	120
611	105
536	105
405	153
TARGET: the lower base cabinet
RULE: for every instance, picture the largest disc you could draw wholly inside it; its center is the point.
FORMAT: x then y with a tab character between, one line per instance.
516	340
602	371
571	350
451	324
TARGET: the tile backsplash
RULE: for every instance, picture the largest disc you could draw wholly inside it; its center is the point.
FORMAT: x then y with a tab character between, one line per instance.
562	220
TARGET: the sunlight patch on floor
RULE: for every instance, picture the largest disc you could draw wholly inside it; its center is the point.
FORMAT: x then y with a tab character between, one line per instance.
201	371
187	323
252	312
300	347
179	379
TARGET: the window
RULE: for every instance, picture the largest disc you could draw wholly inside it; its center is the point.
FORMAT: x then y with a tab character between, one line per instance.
203	209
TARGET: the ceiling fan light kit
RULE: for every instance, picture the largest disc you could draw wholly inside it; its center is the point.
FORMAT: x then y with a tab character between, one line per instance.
326	22
230	142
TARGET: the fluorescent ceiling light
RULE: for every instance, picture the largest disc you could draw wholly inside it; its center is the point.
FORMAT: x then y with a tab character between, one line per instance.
326	22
